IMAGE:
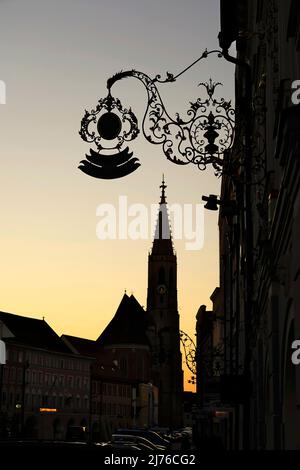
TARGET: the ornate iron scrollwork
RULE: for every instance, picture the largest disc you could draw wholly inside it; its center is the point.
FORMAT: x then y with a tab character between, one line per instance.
110	118
189	348
109	126
200	139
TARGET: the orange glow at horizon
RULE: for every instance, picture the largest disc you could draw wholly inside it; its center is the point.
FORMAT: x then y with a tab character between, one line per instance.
55	64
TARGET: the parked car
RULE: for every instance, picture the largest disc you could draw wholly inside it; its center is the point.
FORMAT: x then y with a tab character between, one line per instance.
148	434
76	434
135	439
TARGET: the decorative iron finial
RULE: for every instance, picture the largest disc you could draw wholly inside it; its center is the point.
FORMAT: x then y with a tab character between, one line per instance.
163	187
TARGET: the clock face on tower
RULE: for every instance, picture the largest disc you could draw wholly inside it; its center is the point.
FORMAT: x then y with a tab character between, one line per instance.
161	289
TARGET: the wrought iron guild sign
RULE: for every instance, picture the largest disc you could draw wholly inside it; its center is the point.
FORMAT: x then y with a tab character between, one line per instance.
108	120
201	139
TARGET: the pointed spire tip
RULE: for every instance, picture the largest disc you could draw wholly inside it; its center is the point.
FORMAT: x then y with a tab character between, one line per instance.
163	187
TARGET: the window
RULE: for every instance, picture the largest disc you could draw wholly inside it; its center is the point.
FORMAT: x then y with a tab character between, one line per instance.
39	399
161	275
141	367
104	389
45	399
11	397
70	381
123	364
20	376
27	376
5	374
171	278
85	382
12	375
86	402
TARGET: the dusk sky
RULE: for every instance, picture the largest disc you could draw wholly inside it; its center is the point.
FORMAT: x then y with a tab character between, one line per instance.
55	59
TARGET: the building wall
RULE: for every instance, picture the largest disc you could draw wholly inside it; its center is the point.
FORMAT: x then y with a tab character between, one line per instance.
123	393
260	328
34	379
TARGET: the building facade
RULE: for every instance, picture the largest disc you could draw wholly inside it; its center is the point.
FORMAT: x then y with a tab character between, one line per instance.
259	225
44	387
123	390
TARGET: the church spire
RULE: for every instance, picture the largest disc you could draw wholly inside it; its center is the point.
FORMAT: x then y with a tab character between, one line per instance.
163	187
162	243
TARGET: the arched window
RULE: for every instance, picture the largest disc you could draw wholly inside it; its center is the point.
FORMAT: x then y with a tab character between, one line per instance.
161	275
171	277
123	365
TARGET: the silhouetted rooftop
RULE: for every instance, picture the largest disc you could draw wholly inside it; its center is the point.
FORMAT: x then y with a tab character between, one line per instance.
85	347
128	326
32	332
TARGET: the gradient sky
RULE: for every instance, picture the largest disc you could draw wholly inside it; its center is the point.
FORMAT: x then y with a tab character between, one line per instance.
55	58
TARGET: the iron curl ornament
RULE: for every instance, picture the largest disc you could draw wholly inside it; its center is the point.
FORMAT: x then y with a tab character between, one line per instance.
200	139
189	348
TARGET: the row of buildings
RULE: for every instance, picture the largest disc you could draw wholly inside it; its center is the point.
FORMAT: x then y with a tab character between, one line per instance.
52	387
248	387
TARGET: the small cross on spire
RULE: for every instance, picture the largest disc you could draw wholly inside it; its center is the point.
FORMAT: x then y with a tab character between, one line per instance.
163	187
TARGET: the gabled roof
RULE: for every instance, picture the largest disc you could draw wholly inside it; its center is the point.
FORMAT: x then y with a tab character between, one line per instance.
128	326
32	332
83	346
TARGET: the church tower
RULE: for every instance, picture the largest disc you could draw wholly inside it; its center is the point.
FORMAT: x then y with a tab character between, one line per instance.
163	312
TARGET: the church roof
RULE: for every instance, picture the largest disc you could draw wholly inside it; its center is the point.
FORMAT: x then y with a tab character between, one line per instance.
32	332
128	325
162	243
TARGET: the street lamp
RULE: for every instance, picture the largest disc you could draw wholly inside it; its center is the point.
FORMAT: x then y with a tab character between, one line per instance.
228	207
